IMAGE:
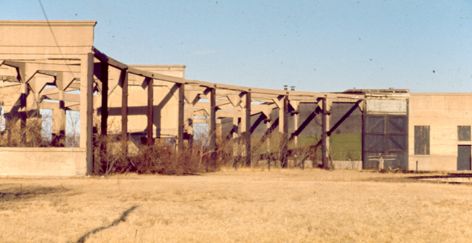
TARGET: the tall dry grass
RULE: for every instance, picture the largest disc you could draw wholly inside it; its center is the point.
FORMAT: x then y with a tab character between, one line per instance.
113	156
19	134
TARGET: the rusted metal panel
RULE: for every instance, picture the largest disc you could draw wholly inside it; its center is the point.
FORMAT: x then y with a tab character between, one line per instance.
385	142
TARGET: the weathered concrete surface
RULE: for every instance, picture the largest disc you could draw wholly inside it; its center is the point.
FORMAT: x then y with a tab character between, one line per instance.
165	116
34	39
347	164
72	40
28	42
443	112
42	162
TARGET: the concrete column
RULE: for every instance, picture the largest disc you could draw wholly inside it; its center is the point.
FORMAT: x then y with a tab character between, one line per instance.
104	118
59	121
296	121
245	127
8	126
23	112
296	118
124	110
283	130
325	126
150	111
104	105
219	130
268	145
212	126
25	74
59	115
181	117
235	136
86	109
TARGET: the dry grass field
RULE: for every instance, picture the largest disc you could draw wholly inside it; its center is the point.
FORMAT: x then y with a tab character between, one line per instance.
243	206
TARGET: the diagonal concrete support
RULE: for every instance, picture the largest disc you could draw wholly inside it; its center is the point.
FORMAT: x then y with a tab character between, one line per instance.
299	129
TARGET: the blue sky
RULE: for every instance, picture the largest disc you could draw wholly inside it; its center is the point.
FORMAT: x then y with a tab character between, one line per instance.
315	45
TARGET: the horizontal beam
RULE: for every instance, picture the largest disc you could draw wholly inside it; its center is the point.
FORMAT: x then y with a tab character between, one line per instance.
67	97
117	64
8	78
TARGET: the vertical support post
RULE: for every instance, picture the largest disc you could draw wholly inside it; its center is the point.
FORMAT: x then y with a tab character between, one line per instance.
150	111
104	118
212	126
23	113
219	130
124	110
86	109
296	119
363	117
235	121
325	126
246	127
235	136
268	144
25	75
283	130
181	117
59	119
9	125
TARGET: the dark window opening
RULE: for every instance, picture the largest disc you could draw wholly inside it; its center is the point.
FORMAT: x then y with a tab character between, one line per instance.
422	140
463	133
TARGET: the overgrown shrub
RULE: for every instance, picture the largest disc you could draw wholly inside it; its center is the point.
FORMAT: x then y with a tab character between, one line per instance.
17	134
162	158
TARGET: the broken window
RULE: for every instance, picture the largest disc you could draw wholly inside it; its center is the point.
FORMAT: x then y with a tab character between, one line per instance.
422	140
463	133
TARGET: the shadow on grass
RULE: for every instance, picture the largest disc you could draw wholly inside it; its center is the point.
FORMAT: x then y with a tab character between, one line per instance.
115	222
15	193
450	178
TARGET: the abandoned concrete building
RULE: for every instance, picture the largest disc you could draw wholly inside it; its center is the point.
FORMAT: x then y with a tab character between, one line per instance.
54	80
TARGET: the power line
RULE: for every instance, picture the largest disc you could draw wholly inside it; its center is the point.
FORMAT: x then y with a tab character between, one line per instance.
50	27
54	36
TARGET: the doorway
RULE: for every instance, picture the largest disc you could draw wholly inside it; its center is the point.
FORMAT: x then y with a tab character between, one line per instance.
464	157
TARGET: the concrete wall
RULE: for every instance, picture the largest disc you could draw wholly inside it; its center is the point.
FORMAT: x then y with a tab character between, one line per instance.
165	119
42	162
347	164
443	113
26	40
33	39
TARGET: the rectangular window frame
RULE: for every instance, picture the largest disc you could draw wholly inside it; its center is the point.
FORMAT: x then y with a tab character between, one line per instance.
463	133
422	139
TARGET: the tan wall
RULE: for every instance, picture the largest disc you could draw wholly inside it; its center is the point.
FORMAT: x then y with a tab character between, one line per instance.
347	164
443	113
167	117
42	162
33	40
